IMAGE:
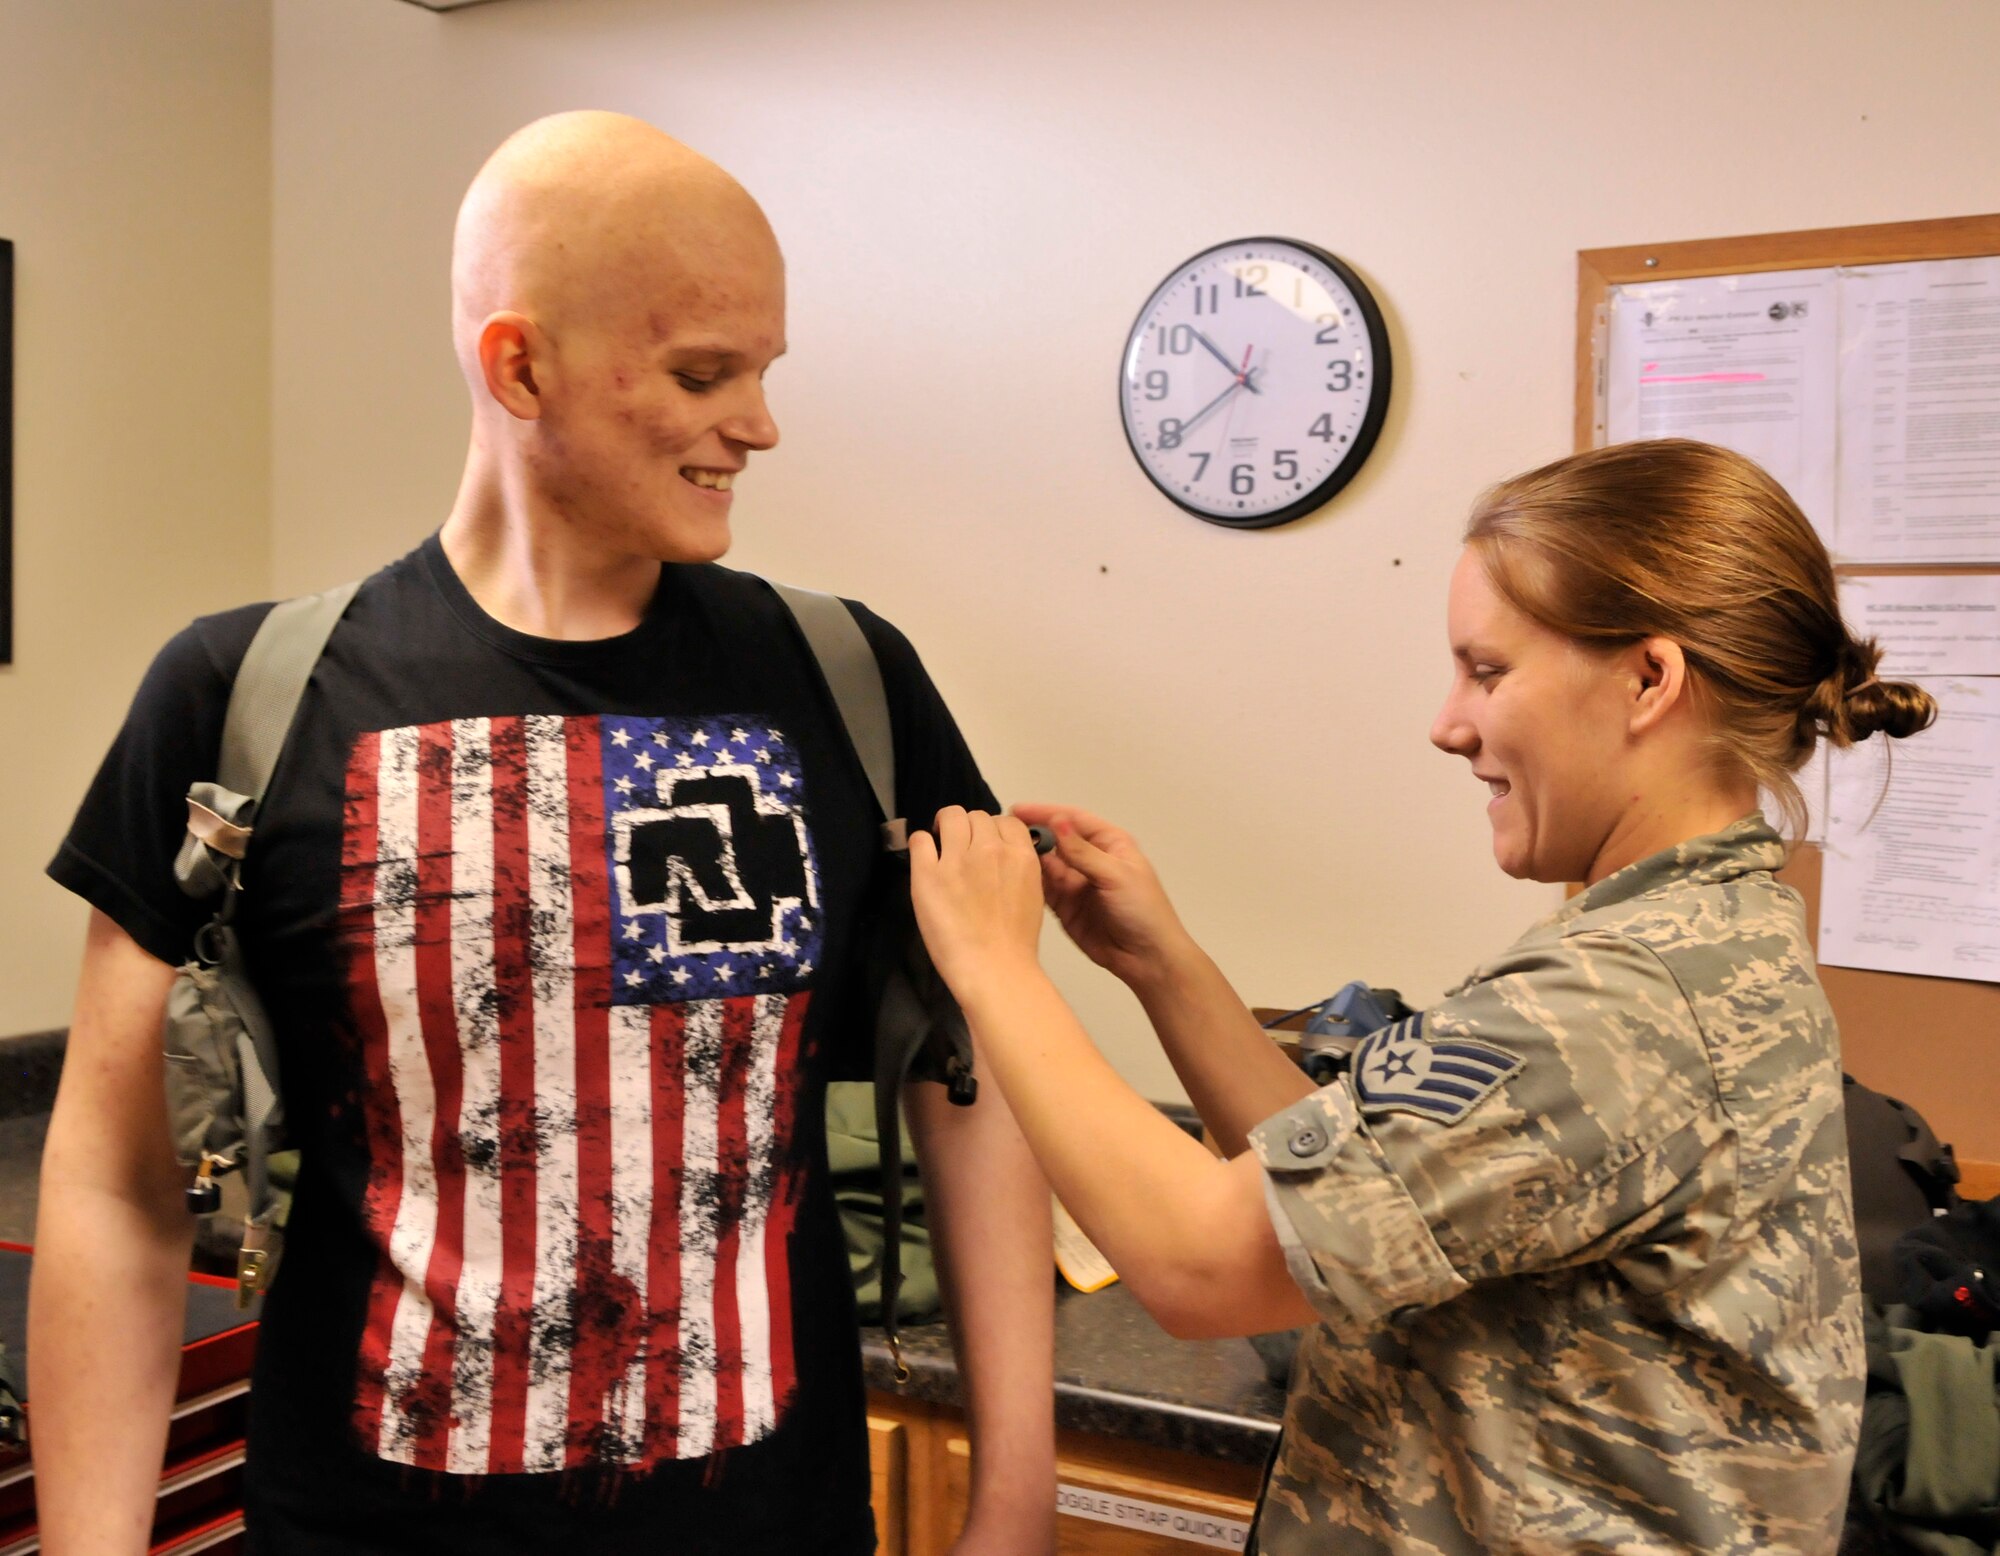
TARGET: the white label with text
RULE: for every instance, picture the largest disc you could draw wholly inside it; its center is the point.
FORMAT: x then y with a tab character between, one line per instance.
1175	1523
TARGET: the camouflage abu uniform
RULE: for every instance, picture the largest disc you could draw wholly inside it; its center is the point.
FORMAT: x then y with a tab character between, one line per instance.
1582	1241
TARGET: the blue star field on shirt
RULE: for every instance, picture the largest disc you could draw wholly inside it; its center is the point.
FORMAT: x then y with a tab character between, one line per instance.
717	889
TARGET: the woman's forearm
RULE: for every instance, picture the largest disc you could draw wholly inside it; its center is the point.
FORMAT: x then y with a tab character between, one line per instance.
1189	1234
1181	1228
1235	1075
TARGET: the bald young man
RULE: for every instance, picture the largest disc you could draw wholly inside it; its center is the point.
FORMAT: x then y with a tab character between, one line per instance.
563	1269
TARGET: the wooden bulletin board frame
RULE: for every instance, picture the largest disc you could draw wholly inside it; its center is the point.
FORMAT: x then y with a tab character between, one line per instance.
1935	1042
6	452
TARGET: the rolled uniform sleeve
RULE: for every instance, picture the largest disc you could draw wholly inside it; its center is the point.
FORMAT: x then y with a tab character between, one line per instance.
1556	1109
1354	1239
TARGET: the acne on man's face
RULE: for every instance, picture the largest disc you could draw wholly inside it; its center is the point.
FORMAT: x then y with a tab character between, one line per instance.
660	402
1543	723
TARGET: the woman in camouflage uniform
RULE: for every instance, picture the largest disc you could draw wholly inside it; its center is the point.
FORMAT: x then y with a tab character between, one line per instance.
1575	1243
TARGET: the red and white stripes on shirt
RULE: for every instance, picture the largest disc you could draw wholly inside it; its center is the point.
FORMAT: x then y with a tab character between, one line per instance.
580	1198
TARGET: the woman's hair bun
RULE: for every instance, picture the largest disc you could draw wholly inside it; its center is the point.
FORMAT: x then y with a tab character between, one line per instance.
1893	708
1852	703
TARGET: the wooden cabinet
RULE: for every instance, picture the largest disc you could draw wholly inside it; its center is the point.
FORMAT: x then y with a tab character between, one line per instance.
1114	1498
889	1482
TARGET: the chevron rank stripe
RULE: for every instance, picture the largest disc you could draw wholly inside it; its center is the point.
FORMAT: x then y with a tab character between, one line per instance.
1399	1070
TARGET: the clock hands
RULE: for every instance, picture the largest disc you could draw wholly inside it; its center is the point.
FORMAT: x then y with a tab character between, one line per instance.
1203	414
1242	377
1243	381
1216	352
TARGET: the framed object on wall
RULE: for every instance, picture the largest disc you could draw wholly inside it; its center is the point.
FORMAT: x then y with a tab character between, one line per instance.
1252	344
6	452
1930	1039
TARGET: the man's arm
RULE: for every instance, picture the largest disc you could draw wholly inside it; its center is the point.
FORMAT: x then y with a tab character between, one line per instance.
109	1287
989	1219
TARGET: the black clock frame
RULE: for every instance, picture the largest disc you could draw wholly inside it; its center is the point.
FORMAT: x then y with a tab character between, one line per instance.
1371	419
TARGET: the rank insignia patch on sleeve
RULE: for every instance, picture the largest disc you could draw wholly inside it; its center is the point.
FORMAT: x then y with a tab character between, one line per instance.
1399	1070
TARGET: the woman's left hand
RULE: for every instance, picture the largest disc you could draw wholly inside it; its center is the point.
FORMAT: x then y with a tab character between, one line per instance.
977	888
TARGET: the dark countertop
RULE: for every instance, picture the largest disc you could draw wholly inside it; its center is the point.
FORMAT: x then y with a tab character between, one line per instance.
1118	1374
29	1068
20	1169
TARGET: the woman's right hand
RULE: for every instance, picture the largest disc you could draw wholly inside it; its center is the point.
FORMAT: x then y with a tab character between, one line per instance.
1104	892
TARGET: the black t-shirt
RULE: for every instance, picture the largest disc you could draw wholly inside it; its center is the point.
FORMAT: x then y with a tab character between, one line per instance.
560	941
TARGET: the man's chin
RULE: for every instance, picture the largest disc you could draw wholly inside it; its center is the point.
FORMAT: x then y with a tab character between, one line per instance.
692	543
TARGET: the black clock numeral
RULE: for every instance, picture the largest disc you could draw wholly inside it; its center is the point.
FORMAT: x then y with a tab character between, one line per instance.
1170	431
1285	464
1178	341
1242	480
1201	461
1329	330
1322	429
1343	374
1250	283
1156	384
1211	293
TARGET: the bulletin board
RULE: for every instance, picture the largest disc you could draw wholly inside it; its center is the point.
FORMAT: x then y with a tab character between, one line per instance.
1933	1041
6	452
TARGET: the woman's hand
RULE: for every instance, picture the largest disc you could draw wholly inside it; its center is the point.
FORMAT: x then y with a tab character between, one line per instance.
978	898
1106	895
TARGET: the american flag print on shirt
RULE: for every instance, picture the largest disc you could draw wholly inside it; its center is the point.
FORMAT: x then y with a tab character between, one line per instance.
578	951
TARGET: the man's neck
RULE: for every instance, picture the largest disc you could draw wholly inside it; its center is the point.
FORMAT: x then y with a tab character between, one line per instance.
528	571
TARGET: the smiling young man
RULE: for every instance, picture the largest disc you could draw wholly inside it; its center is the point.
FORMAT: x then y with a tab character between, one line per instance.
555	904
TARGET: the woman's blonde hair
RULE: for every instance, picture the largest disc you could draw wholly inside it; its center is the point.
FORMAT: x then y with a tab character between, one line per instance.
1690	542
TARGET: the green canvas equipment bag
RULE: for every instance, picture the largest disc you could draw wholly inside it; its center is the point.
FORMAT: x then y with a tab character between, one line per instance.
221	1053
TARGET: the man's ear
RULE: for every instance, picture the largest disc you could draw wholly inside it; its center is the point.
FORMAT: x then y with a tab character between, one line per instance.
509	344
1659	681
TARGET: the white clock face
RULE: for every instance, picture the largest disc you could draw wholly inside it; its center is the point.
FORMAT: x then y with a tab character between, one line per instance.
1255	381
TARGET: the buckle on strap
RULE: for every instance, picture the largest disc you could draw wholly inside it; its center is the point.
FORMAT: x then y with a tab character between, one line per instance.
225	837
254	1267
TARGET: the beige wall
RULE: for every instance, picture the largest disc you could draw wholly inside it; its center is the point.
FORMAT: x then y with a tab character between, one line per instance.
135	177
974	201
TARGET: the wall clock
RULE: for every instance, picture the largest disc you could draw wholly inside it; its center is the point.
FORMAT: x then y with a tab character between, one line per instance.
1255	381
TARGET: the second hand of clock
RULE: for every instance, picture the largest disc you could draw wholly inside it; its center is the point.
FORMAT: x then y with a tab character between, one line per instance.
1243	377
1216	352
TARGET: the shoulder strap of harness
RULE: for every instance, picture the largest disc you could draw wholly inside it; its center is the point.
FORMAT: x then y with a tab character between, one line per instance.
269	684
913	1012
263	705
854	677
